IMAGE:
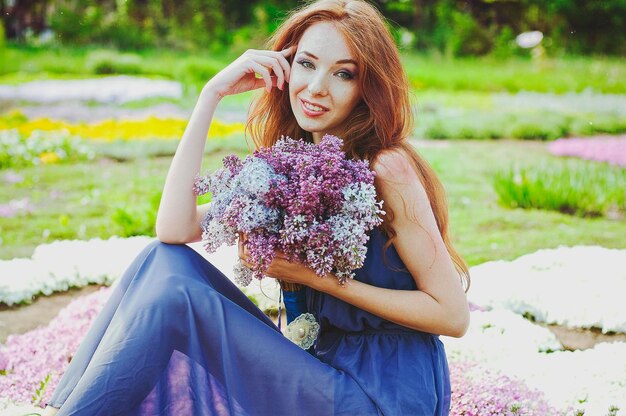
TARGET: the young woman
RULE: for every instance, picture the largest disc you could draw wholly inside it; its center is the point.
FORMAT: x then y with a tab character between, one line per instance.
178	338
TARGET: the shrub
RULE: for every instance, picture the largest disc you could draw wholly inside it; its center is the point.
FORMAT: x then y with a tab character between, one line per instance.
110	62
193	74
544	126
138	220
599	124
479	125
573	187
504	44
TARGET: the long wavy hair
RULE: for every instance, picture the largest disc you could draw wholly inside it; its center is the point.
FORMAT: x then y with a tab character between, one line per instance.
382	120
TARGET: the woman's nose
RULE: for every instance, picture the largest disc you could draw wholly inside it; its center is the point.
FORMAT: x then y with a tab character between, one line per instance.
317	86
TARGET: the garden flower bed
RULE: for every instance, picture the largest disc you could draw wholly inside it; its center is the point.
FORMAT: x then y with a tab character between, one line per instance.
602	149
73	263
503	365
111	129
115	89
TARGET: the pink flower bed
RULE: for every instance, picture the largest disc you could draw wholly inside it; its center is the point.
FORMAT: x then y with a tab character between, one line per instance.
602	149
478	391
15	207
26	360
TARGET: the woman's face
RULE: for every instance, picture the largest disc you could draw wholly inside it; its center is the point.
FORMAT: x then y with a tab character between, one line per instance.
323	87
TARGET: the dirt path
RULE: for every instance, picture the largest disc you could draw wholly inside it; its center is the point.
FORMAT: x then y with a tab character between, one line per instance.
21	319
17	320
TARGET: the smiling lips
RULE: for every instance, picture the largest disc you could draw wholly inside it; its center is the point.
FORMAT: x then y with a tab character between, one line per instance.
312	110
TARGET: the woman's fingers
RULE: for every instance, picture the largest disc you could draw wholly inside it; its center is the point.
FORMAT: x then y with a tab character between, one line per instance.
243	256
277	61
278	70
241	75
263	72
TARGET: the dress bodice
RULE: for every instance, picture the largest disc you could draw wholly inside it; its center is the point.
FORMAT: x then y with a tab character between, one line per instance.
403	370
384	268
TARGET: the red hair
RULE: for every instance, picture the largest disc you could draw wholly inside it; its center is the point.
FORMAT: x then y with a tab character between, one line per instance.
383	120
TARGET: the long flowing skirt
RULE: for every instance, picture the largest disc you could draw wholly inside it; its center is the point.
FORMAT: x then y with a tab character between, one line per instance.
177	337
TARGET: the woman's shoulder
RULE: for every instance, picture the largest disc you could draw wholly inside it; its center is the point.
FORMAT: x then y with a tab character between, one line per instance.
400	186
396	171
393	165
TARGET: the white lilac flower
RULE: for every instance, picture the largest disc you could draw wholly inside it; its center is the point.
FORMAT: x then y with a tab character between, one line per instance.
243	275
215	233
253	214
350	239
360	202
255	177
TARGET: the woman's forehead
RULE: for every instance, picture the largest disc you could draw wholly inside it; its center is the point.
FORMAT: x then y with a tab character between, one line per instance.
325	42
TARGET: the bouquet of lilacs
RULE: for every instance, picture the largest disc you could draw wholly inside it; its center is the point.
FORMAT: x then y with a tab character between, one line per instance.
306	200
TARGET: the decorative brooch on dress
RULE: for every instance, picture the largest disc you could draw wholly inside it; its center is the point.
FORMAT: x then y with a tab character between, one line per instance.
303	331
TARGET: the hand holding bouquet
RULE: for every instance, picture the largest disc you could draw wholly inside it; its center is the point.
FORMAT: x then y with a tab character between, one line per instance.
303	199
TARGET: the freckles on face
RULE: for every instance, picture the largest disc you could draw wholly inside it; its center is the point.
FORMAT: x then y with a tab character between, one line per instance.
323	87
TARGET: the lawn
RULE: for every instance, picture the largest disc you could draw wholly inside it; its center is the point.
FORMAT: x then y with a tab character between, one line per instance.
80	201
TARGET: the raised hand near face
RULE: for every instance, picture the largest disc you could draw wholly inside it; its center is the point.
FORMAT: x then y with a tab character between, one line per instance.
241	75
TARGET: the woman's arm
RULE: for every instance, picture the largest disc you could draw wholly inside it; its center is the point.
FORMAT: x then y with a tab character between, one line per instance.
439	306
178	219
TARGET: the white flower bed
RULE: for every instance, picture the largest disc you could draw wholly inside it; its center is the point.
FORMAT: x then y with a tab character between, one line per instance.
592	380
580	286
63	264
114	89
586	102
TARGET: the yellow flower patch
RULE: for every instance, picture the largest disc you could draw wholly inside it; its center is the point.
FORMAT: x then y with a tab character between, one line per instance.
149	128
49	157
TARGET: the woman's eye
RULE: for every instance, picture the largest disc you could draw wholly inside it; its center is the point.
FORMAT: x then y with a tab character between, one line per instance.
306	64
345	75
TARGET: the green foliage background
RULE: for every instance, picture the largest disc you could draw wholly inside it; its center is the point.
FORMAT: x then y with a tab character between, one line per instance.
450	27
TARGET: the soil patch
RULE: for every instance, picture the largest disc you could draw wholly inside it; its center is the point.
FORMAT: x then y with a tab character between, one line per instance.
21	319
582	339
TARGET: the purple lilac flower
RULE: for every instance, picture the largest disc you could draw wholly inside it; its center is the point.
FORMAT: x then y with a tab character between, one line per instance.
304	199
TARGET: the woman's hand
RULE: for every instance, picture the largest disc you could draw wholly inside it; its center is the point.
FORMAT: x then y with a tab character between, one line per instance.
240	75
280	267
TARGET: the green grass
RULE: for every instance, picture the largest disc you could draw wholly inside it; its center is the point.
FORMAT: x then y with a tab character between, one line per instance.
556	75
80	201
572	186
482	229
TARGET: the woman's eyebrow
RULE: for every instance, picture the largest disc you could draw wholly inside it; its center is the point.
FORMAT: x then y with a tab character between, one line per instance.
341	61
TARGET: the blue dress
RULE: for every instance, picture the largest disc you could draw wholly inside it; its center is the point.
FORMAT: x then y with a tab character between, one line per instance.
177	337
